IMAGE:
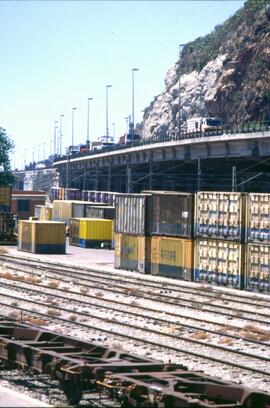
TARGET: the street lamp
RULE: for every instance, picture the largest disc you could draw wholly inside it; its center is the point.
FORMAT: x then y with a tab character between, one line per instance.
44	150
72	125
107	118
54	138
113	125
181	47
133	120
88	138
126	119
60	135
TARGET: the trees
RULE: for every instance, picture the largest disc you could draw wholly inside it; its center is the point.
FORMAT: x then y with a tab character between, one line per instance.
6	146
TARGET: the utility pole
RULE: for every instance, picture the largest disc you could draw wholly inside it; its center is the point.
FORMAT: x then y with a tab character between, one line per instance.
234	182
181	47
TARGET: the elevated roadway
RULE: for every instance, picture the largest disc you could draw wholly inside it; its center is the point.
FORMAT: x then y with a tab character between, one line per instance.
213	161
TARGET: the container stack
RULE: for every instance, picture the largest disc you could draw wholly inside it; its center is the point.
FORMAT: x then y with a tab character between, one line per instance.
132	247
42	237
170	226
220	234
258	243
153	233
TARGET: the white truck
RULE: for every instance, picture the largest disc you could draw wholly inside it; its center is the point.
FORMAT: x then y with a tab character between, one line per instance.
204	124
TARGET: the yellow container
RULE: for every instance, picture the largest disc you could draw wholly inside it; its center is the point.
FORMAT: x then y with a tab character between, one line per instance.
90	232
42	237
172	257
219	262
132	252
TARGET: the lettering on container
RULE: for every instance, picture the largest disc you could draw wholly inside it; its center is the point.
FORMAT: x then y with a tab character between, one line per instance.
168	255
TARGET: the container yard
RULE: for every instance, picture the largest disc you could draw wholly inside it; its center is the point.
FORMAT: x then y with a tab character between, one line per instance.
175	294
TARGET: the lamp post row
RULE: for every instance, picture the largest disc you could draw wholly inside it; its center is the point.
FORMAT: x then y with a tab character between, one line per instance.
59	150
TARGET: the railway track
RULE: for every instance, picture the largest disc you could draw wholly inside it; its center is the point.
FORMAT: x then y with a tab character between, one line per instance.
173	340
208	298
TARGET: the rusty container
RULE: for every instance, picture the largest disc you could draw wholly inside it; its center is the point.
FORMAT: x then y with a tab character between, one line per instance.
172	257
220	215
132	252
219	262
258	218
257	274
170	214
130	213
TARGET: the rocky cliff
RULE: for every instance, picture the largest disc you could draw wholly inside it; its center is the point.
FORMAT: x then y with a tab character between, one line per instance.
224	74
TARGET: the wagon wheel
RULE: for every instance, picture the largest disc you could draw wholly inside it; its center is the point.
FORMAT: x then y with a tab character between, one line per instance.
72	388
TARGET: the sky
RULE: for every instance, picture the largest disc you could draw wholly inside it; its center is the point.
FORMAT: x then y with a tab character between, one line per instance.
57	54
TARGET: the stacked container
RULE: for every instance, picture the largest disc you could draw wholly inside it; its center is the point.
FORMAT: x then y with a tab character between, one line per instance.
170	226
258	242
90	232
153	233
220	234
40	237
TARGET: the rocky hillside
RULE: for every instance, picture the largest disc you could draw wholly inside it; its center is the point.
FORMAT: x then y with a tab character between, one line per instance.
224	74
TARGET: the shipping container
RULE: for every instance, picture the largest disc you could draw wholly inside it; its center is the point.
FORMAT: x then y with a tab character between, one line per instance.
38	211
172	257
90	232
43	212
72	194
258	218
5	198
220	215
64	210
170	214
132	252
100	212
54	193
219	262
130	213
257	277
42	237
